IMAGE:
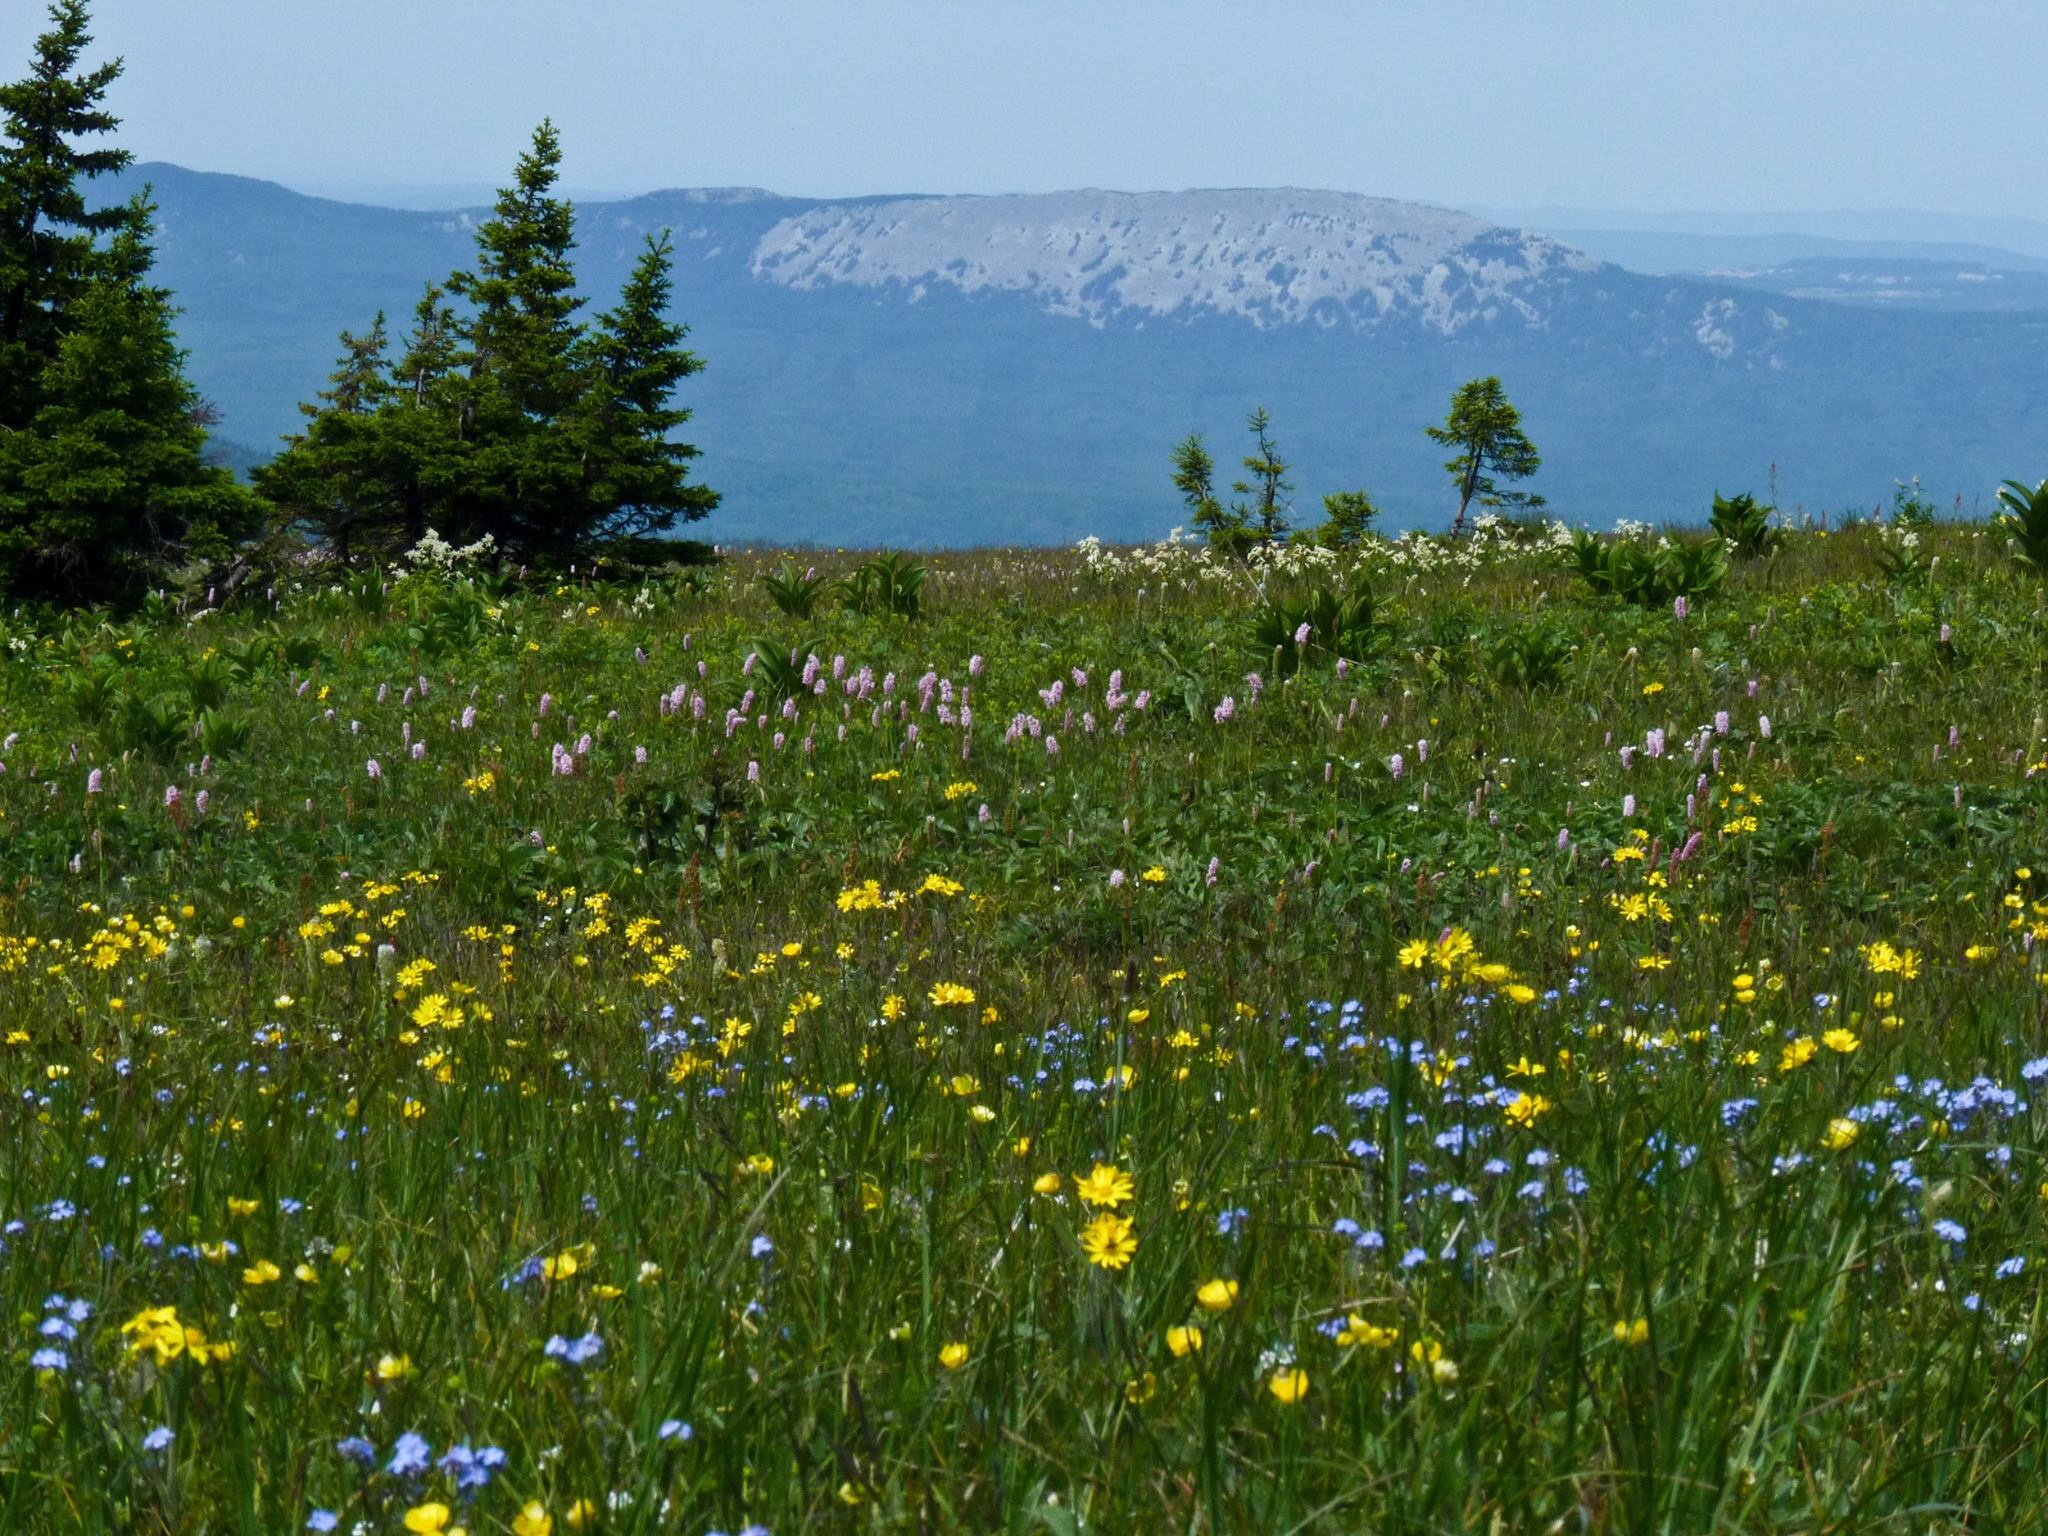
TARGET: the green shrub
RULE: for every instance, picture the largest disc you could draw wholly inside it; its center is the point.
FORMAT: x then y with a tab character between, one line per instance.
1341	623
888	584
1531	658
2025	516
796	595
1650	575
1745	525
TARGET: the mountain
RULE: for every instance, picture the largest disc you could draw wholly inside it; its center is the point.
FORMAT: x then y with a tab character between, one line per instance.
958	370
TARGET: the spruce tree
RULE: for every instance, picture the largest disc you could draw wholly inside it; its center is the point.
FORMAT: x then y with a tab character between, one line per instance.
1486	431
382	458
508	415
104	482
331	479
106	487
52	240
1268	484
634	470
524	349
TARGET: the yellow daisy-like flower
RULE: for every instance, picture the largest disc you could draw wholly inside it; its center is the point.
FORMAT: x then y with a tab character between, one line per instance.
950	994
428	1519
953	1356
1289	1384
1105	1184
533	1519
1841	1134
1184	1341
1108	1241
1217	1295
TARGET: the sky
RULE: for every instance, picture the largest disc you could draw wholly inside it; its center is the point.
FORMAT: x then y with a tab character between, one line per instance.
1648	105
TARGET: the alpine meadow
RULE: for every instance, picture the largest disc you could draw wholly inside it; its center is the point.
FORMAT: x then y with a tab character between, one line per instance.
517	1018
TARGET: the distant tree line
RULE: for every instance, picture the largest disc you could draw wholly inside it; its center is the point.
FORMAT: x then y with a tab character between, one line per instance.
1483	430
501	412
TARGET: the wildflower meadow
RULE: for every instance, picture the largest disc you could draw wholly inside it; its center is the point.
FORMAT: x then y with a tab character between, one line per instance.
1439	1037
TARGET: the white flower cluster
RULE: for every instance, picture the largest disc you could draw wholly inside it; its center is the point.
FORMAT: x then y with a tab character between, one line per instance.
436	552
1492	540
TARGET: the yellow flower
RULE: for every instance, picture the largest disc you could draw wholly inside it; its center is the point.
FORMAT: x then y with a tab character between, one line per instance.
1841	1132
1184	1341
949	994
939	885
953	1356
1797	1053
1525	1107
394	1367
1217	1295
581	1513
562	1266
1108	1241
885	775
1289	1384
533	1519
1357	1331
1046	1184
305	1273
1843	1040
960	788
1520	992
1632	1331
427	1519
262	1272
1154	876
242	1207
1105	1184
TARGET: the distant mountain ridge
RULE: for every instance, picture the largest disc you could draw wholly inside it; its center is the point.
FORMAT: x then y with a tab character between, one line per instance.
1273	257
935	370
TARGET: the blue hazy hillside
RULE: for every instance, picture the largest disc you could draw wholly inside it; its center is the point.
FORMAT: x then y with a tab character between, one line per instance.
975	370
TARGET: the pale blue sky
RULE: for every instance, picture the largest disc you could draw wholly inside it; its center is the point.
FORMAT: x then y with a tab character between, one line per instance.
1737	105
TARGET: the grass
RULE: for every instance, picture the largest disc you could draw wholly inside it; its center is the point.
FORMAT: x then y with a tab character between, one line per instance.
678	1073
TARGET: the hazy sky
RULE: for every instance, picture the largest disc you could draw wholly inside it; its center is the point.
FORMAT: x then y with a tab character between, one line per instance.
1639	104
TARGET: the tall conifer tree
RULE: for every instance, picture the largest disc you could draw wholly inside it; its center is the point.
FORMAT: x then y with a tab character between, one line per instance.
509	415
103	479
107	486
